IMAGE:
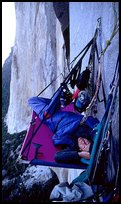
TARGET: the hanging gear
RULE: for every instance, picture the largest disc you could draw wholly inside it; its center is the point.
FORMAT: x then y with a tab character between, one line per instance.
65	95
82	101
83	79
82	82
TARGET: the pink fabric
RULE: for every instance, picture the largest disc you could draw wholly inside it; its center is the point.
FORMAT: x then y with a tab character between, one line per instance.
43	137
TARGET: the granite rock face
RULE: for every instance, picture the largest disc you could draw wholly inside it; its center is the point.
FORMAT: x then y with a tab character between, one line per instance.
34	185
38	58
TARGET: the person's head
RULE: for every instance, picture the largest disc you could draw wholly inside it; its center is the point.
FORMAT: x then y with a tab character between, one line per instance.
84	144
82	101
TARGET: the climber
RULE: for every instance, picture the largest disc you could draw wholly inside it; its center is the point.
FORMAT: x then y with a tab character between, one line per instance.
65	125
81	148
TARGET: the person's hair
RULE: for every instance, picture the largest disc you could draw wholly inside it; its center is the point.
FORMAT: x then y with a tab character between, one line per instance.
91	145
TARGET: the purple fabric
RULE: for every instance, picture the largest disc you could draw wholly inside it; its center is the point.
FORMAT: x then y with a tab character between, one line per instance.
47	150
43	137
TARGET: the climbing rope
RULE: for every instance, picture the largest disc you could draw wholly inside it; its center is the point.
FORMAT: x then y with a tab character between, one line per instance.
108	42
115	29
88	109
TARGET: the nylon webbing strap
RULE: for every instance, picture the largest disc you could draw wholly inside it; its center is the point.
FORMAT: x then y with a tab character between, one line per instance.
75	68
104	95
50	84
107	118
88	45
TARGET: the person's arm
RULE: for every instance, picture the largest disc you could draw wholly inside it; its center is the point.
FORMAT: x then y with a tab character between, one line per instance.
85	155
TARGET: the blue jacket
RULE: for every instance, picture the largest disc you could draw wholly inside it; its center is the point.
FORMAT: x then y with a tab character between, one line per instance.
66	127
64	124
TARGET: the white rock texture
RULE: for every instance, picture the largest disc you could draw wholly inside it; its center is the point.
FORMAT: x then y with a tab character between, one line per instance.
38	58
36	174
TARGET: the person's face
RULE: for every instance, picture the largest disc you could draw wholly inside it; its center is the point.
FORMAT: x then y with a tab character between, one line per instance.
84	144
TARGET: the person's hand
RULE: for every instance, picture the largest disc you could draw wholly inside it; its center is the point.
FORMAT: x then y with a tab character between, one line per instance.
85	155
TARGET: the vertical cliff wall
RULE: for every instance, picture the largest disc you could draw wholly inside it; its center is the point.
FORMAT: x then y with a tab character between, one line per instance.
83	22
38	58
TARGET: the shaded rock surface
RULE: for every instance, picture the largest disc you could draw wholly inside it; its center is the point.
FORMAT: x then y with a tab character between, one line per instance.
34	185
20	182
